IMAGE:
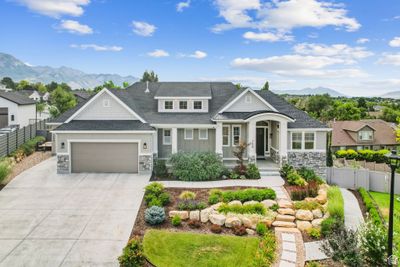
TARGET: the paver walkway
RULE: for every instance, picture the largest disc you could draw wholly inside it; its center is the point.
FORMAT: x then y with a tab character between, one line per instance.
81	219
291	248
313	251
352	213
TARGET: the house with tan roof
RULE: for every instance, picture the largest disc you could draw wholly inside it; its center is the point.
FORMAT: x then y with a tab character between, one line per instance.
364	134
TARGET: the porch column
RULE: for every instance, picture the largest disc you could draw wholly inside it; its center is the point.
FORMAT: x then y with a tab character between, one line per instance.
155	143
174	140
251	141
218	139
283	140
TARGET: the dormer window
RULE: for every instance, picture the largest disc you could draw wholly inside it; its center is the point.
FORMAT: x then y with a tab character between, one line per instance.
183	105
197	105
365	135
168	105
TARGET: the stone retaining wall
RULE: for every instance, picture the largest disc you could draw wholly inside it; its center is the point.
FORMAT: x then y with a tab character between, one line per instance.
313	160
62	164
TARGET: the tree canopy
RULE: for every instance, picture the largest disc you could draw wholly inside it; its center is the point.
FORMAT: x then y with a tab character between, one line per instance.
149	77
62	101
266	86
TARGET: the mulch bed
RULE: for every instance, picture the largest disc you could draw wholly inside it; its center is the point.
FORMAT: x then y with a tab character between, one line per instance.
25	164
141	226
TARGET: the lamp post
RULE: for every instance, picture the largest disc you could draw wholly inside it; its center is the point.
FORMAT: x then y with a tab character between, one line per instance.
394	160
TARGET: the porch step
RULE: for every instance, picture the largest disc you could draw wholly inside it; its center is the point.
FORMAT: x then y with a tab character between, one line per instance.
269	173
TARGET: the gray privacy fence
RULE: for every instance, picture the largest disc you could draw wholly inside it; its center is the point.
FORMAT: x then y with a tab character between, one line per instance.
9	142
355	178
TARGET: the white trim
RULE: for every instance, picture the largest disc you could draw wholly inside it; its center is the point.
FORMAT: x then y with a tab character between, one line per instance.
106	103
185	131
197	126
303	141
54	123
100	132
314	141
233	134
69	141
307	150
266	138
228	121
205	138
105	90
242	94
229	135
163	137
182	97
270	118
202	105
310	129
168	101
179	104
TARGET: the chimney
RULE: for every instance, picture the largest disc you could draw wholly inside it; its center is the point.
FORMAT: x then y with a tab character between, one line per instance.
147	87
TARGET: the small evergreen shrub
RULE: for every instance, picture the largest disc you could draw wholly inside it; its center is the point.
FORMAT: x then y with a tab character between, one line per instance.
252	171
315	233
160	169
261	229
216	229
155	195
187	195
191	205
154	215
294	178
256	208
371	208
274	207
132	254
176	220
373	244
286	169
309	175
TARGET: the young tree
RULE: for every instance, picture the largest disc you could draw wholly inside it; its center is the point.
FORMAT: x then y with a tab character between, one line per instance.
62	99
125	84
40	107
23	84
149	77
239	154
266	86
239	86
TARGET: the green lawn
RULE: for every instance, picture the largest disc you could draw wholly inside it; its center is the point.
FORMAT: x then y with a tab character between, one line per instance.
382	199
171	249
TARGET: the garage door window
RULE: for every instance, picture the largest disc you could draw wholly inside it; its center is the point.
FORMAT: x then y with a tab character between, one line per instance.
166	136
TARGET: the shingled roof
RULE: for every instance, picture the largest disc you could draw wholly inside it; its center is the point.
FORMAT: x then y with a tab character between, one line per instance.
146	106
17	98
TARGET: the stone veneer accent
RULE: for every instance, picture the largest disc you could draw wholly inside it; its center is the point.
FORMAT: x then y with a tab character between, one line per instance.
274	155
62	164
314	160
145	163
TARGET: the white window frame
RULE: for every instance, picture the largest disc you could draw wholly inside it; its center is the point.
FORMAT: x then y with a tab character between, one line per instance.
229	135
304	140
248	99
168	101
360	135
170	136
185	134
233	134
203	138
184	101
194	104
301	140
106	103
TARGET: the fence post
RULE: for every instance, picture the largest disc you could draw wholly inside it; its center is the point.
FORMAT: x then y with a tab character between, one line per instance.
16	138
30	132
8	145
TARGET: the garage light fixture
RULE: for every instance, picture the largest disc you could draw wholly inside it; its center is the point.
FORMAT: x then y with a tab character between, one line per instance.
144	145
62	145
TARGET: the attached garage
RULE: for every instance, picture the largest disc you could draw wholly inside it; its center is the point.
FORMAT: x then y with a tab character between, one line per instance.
104	157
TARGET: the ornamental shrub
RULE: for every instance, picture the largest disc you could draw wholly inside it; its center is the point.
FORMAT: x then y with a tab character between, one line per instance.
154	215
286	169
242	195
155	195
160	169
198	166
301	192
191	205
315	233
266	252
294	178
373	244
309	175
132	254
252	171
371	208
176	220
256	208
261	229
5	168
186	195
307	205
335	203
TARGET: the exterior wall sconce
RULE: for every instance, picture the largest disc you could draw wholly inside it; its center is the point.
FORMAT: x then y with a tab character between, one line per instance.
62	145
144	145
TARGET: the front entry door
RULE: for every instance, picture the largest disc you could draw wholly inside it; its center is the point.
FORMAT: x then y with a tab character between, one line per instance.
260	142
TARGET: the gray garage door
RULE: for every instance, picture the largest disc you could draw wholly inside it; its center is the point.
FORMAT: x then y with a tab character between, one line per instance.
104	157
3	117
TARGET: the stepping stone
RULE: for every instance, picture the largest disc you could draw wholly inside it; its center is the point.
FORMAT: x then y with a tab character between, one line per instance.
289	256
288	237
289	246
286	264
284	224
285	218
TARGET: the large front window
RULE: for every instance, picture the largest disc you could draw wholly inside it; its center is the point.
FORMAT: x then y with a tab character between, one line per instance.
236	132
365	135
296	140
309	140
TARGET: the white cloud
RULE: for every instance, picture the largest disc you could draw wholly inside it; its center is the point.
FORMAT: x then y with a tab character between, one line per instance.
182	5
267	37
362	40
97	47
143	28
395	42
197	54
57	8
342	51
253	81
297	65
282	16
390	59
158	53
73	26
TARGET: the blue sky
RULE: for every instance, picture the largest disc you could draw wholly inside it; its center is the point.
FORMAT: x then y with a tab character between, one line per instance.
350	46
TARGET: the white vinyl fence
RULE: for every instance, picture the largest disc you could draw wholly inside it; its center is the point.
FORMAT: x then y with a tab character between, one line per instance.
355	178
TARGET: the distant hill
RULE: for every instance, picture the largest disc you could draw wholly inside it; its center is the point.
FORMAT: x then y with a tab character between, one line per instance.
17	70
393	94
311	91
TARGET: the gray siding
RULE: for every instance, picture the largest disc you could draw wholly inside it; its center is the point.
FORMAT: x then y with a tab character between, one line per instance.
196	145
320	141
228	151
164	151
241	106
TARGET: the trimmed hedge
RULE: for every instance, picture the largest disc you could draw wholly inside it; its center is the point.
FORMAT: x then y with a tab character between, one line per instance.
243	195
256	208
378	156
371	208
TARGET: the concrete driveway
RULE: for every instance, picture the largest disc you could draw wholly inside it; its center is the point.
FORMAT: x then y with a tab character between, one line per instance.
84	219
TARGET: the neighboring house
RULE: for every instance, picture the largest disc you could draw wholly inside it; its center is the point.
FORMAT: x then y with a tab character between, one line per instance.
4	88
35	95
16	109
364	134
81	95
124	130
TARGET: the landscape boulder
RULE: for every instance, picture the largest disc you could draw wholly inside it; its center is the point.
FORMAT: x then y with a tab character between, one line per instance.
268	203
218	219
284	203
286	211
204	215
232	221
304	215
303	225
251	202
285	218
317	223
235	202
317	213
284	224
183	214
194	215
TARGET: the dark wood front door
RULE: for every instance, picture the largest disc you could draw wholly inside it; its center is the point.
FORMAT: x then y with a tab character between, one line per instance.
260	142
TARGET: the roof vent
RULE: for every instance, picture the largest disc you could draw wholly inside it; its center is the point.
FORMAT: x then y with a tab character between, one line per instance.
147	87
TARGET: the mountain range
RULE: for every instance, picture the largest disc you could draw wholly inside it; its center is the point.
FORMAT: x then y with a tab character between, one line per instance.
311	91
18	70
